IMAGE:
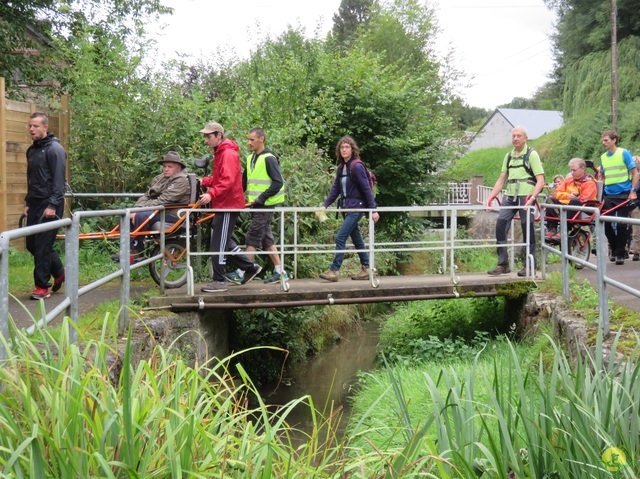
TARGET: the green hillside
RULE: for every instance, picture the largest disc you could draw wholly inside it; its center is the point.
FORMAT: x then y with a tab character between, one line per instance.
487	162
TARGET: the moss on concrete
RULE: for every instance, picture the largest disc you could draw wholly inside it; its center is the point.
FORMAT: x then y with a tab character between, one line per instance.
515	290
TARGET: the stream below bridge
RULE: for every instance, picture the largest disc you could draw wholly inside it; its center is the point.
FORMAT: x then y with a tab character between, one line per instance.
328	378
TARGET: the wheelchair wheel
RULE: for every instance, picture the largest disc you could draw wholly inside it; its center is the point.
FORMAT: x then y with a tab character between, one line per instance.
176	263
580	247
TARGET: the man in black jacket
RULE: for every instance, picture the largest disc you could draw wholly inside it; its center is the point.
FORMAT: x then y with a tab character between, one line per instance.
46	168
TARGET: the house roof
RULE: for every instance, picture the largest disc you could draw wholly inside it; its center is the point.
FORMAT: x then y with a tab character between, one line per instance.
537	122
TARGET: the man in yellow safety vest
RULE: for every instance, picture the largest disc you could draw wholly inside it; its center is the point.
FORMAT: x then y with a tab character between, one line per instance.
264	190
620	183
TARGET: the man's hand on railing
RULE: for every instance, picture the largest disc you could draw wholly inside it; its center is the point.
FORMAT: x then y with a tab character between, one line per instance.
489	201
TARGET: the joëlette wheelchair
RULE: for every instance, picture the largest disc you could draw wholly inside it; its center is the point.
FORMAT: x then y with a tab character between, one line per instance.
174	258
581	224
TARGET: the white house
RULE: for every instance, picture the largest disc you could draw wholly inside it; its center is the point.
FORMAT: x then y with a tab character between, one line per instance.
496	131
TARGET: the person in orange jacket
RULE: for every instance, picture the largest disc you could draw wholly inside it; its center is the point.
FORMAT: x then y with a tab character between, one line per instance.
575	190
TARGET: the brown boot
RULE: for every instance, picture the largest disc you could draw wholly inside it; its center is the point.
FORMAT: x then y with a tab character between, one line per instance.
330	275
363	275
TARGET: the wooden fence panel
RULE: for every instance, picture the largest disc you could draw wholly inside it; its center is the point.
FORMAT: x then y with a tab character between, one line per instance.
14	141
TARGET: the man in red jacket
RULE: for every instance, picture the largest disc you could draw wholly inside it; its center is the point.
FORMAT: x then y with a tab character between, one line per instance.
225	192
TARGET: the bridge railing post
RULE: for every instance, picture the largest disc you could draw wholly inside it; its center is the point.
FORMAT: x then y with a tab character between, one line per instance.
601	258
125	282
72	270
4	294
564	249
372	253
455	279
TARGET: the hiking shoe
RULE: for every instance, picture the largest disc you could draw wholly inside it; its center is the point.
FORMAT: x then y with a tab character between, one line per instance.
523	272
275	277
498	270
619	260
40	293
233	278
57	282
362	275
214	287
251	273
330	275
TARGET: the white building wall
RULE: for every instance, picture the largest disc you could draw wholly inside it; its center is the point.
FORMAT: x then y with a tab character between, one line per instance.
496	133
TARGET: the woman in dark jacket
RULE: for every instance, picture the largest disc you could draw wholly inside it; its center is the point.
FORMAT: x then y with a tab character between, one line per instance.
352	185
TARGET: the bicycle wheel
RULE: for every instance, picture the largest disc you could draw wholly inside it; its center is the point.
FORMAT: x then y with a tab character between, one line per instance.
175	274
580	247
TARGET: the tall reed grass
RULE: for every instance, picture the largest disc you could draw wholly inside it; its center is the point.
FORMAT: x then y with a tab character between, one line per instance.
62	416
505	419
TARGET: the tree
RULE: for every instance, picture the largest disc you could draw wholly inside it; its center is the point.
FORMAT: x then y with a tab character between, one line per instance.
352	16
584	27
36	36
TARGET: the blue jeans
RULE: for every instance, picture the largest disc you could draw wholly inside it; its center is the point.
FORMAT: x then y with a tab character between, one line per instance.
350	228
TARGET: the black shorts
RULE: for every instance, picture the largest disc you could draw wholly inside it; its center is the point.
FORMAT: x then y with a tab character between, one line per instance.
259	234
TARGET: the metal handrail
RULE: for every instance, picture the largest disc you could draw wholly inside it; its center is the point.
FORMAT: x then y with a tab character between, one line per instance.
69	301
603	280
448	246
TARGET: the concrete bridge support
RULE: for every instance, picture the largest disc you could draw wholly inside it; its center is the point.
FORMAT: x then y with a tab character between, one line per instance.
199	336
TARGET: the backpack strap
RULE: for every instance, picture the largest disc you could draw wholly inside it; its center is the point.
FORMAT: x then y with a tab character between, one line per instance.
352	174
526	165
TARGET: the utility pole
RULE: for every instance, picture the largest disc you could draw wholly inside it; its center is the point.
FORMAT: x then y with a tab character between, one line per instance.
614	66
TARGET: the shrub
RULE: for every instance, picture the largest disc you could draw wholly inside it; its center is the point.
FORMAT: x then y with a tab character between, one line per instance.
409	331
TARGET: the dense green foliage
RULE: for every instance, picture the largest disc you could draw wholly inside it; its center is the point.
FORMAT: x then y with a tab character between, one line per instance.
64	413
41	40
385	89
419	329
588	84
352	15
584	27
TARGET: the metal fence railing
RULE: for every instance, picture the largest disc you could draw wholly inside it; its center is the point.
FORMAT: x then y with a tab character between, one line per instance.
448	245
72	290
596	230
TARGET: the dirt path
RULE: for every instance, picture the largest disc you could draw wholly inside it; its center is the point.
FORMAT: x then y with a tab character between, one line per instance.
23	310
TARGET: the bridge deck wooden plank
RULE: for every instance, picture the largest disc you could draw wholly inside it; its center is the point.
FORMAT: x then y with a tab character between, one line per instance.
346	290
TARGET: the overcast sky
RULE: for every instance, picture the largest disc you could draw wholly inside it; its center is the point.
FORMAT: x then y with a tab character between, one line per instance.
502	45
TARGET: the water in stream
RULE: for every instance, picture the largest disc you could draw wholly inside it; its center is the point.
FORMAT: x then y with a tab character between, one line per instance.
328	378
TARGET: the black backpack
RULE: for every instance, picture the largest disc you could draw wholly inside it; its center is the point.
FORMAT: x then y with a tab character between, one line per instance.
525	164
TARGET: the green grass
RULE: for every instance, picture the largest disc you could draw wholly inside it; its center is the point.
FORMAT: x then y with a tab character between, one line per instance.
95	263
488	162
506	413
62	416
584	304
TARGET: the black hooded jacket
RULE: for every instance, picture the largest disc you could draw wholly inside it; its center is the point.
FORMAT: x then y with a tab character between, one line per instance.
46	169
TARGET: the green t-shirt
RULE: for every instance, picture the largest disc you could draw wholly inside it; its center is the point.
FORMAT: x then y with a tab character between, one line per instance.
517	184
